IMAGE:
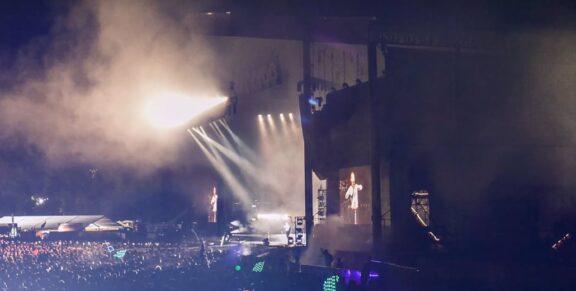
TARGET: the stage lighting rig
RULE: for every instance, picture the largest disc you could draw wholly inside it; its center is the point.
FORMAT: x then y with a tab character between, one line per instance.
39	200
171	110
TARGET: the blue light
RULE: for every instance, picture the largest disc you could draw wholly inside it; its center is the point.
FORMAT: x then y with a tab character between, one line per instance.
313	101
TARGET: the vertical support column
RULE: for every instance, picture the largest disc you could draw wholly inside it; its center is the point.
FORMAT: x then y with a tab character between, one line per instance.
332	194
374	146
308	191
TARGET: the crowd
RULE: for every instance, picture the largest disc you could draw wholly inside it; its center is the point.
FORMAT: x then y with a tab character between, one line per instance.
75	265
126	266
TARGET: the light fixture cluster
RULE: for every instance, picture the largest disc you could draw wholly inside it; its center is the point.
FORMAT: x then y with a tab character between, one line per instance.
281	116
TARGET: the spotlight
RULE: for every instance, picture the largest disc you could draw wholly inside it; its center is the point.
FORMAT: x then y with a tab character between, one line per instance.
245	250
282	116
262	125
170	110
272	216
39	200
290	116
271	122
228	12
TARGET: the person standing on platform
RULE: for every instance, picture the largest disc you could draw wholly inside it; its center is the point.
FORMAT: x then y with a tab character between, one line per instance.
213	208
352	195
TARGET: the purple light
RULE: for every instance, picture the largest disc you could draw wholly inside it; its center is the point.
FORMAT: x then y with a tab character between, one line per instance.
351	275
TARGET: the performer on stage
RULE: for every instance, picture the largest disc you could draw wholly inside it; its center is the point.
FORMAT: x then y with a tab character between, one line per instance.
213	208
352	195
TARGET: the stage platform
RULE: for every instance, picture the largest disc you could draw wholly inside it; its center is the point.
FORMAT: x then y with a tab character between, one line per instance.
273	239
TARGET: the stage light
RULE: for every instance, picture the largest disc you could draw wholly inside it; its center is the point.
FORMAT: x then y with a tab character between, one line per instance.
242	147
172	110
222	137
260	118
218	163
272	216
39	200
313	101
237	268
290	116
282	117
271	122
229	153
245	250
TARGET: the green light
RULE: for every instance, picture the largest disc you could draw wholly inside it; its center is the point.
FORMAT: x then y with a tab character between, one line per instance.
120	254
237	268
258	267
330	283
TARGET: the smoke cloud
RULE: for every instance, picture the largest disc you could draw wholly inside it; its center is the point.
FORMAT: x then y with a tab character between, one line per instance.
78	94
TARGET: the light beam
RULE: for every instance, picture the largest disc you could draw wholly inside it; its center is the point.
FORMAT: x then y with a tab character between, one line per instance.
233	183
172	110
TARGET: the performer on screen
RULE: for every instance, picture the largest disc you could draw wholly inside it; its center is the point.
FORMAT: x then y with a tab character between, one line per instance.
352	195
213	208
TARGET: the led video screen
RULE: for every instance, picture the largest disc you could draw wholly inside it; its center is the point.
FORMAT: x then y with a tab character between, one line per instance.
355	189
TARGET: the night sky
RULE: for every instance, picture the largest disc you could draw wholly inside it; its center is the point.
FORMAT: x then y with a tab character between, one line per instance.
22	168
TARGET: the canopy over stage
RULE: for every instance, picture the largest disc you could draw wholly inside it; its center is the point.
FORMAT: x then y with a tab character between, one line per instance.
64	223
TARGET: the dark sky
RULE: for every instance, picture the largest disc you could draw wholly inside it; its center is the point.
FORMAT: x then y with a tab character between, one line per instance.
21	21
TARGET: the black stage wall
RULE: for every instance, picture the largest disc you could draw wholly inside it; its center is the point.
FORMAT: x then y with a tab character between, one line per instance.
488	133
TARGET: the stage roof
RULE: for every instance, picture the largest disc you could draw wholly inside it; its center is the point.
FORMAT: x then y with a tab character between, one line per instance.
88	222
